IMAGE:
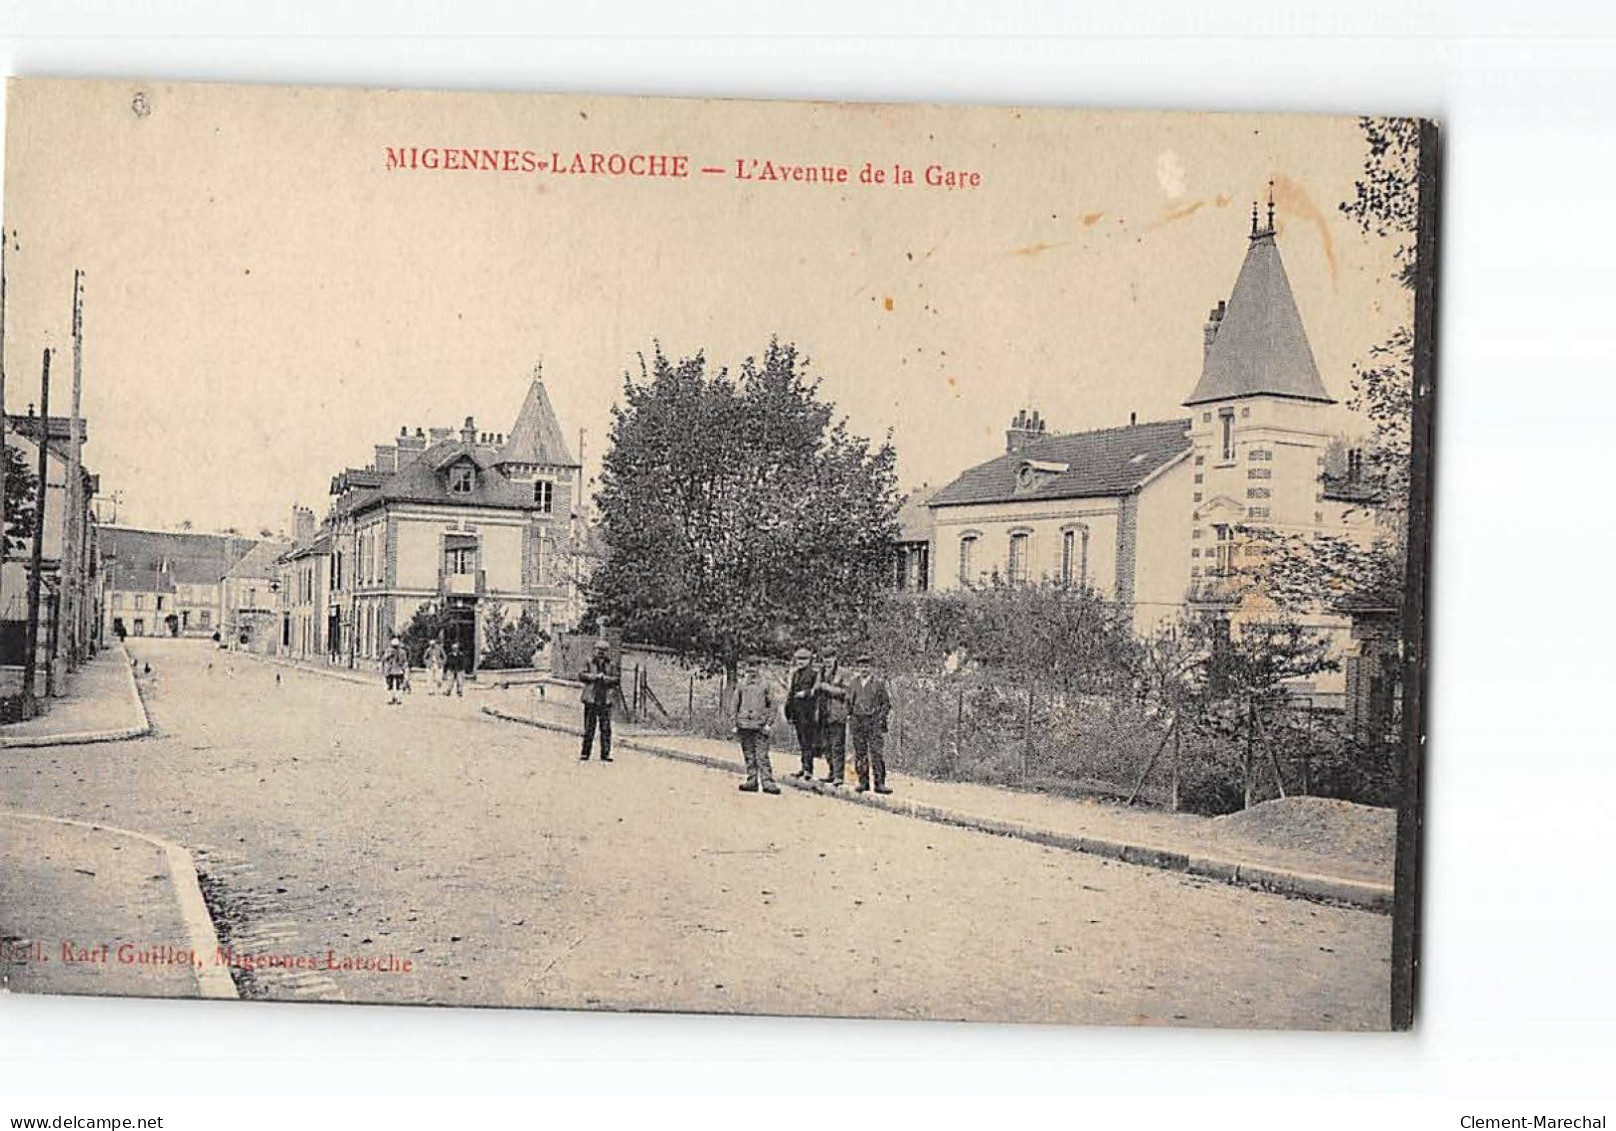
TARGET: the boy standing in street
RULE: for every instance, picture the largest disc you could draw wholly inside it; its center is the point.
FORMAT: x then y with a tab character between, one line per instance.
395	662
454	669
600	677
435	658
800	709
754	719
868	704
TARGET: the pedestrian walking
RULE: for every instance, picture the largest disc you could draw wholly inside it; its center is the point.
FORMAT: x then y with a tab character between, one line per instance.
754	721
869	703
395	663
436	656
454	671
601	678
800	709
830	719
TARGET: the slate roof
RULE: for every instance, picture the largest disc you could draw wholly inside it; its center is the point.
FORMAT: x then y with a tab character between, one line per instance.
536	436
319	544
1261	346
260	560
1113	461
142	580
188	558
915	520
426	480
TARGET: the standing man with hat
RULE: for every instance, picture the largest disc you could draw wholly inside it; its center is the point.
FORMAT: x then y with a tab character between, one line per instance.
869	702
395	666
800	709
601	678
830	701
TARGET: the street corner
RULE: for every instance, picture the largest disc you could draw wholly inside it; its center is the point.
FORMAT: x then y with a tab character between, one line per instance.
89	909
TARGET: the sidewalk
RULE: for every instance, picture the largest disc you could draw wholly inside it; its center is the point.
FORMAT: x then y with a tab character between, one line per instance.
1211	848
86	909
102	704
1208	847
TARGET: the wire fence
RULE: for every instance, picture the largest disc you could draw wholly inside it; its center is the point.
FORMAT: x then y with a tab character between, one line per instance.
1022	735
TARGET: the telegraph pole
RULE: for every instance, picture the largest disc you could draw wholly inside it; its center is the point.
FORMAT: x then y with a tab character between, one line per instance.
30	661
5	238
72	542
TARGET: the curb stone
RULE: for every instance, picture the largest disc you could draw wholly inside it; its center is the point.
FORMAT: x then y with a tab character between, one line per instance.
1357	893
212	981
85	737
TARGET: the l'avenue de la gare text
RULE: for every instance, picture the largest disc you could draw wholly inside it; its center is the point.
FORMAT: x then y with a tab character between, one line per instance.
670	166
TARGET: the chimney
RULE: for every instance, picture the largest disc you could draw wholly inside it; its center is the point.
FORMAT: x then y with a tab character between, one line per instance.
386	458
1214	323
1024	429
410	447
302	525
1133	419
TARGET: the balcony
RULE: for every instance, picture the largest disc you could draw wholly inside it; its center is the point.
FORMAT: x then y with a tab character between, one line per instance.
473	584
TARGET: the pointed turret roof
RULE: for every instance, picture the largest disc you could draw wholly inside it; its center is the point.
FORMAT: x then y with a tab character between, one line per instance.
536	436
1261	347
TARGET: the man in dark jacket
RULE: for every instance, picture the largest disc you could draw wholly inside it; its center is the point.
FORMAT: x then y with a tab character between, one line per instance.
800	709
601	679
869	702
830	700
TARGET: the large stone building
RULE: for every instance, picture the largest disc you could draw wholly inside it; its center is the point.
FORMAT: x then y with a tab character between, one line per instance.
167	582
1150	514
463	520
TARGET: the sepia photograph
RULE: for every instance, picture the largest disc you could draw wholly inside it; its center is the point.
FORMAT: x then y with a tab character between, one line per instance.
818	559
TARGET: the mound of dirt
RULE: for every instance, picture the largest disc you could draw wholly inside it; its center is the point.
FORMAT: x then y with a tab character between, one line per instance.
1322	825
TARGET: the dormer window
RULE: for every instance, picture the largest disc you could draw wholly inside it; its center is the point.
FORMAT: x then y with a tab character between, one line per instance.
462	479
1035	472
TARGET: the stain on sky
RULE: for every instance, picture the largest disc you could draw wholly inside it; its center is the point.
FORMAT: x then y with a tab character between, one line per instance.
1290	197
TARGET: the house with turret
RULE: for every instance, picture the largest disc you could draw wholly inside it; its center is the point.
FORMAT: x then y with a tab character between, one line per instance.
1156	516
461	519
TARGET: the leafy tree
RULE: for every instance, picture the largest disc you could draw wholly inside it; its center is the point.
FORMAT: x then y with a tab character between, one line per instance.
429	623
21	487
508	643
739	514
1066	636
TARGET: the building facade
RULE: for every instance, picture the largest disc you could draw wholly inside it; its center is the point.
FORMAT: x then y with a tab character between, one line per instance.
460	520
249	601
69	598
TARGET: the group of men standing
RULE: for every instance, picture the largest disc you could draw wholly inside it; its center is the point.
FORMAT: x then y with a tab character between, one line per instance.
824	702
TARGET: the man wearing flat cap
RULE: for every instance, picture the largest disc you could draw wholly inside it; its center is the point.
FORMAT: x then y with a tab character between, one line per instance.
868	704
800	709
601	678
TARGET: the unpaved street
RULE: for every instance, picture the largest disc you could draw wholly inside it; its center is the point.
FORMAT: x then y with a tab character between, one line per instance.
327	823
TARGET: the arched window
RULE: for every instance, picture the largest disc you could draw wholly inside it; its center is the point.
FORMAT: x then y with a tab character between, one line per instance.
967	559
1018	563
1075	556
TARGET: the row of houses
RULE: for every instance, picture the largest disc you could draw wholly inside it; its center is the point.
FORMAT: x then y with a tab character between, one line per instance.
175	583
70	591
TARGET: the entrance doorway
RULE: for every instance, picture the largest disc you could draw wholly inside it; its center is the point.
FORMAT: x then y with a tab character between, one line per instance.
462	628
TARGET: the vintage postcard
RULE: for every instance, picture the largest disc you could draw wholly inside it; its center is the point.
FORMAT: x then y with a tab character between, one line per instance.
889	561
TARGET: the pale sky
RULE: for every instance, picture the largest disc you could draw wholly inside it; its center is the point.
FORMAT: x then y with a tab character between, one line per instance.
265	300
